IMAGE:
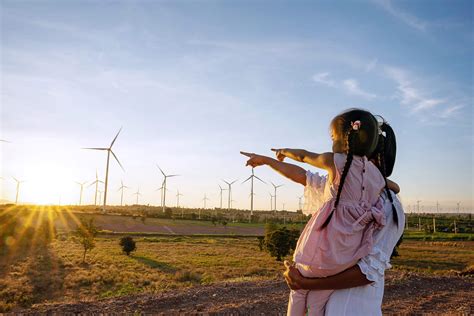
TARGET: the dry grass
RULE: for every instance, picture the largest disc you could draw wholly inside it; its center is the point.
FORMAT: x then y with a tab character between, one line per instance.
435	257
56	274
159	264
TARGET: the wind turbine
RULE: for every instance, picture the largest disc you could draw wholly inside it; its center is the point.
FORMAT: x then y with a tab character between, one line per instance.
299	202
164	185
205	199
275	196
137	194
230	193
251	188
271	201
96	182
121	194
109	151
82	188
177	198
18	182
221	189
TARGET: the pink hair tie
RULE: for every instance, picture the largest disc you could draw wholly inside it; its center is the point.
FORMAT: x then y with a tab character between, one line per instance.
355	125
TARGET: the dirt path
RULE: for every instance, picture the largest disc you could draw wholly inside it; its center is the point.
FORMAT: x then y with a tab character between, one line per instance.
404	293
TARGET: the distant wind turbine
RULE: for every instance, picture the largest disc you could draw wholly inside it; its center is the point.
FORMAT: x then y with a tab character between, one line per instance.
96	182
252	176
137	194
81	184
122	187
221	189
177	198
275	195
299	202
18	182
205	199
165	176
109	151
230	193
271	201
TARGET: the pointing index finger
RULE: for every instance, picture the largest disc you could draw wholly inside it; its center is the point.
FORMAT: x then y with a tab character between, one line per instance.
246	154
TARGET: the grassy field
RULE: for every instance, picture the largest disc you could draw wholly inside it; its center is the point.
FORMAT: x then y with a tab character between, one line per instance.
56	273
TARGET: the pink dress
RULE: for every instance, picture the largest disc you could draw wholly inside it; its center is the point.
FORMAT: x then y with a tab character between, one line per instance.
348	236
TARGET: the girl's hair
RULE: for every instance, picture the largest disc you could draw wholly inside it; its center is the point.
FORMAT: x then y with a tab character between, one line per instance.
360	142
384	156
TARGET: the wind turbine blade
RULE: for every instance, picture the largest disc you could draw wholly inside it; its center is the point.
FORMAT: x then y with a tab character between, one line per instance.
95	148
15	179
92	183
273	184
280	185
260	179
4	141
226	182
115	138
117	160
173	175
164	175
233	182
247	179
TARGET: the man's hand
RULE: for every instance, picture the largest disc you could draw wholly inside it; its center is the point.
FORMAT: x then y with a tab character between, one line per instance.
293	277
280	153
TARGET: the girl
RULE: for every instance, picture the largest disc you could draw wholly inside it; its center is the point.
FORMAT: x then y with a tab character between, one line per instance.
354	295
340	233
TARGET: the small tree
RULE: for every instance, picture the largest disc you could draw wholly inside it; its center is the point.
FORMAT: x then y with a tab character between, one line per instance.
86	232
280	242
128	244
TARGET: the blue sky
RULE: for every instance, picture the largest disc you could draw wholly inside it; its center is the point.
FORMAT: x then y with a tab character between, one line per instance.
192	83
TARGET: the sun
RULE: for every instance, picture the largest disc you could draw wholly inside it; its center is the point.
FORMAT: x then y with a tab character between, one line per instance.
46	185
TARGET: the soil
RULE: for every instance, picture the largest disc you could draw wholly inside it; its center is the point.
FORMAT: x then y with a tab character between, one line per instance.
405	293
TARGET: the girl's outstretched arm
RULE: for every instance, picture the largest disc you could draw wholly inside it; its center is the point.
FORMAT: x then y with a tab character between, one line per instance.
292	172
323	161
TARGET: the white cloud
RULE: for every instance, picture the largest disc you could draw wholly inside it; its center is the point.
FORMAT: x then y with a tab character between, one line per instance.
450	111
352	86
405	17
429	109
323	78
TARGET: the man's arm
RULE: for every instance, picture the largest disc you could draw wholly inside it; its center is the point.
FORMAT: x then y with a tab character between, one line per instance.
349	278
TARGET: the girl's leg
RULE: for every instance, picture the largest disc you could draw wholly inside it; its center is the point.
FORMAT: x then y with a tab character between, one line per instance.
297	303
316	302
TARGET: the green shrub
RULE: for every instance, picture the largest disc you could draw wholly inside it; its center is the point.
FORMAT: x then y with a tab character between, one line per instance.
128	244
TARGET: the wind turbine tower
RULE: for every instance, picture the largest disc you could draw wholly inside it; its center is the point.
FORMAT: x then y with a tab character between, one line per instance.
177	198
82	189
220	194
109	151
137	194
275	195
96	182
164	185
18	182
122	187
252	176
230	193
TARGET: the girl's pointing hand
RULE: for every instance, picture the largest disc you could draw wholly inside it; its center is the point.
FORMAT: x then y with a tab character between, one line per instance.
255	160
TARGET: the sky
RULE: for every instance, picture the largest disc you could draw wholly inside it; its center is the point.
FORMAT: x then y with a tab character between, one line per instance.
194	82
